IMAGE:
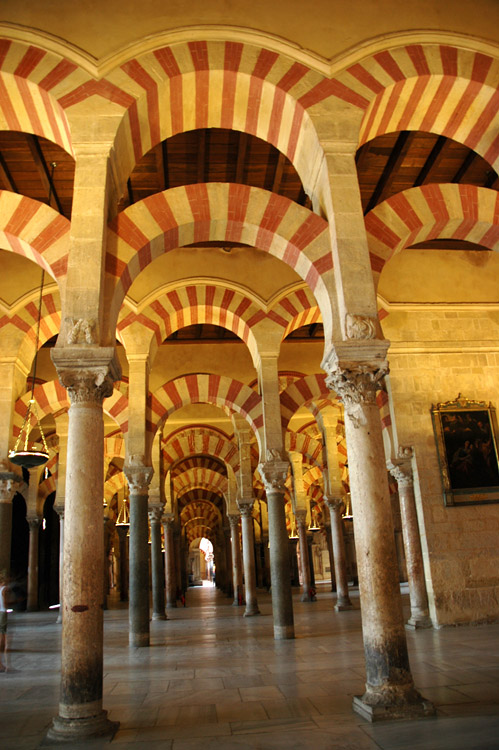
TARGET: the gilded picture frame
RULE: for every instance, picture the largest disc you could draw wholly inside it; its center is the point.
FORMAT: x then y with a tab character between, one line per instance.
465	434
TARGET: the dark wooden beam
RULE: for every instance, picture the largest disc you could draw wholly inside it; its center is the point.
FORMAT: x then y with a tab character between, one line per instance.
492	180
130	192
241	156
161	167
432	161
394	161
278	173
201	156
464	167
6	177
43	171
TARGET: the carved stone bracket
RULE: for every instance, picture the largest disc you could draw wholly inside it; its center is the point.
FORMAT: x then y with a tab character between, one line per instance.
273	474
360	327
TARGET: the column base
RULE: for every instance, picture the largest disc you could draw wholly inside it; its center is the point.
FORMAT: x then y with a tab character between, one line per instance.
343	606
251	612
158	616
417	709
308	598
138	640
418	623
235	603
72	730
172	606
284	632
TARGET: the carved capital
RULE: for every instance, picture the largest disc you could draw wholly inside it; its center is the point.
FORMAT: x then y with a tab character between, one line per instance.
401	471
155	514
168	519
138	476
356	380
233	520
334	503
273	474
246	509
405	451
87	374
301	517
8	482
34	523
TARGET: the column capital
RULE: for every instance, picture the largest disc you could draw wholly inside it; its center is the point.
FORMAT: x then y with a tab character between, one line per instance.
138	476
233	519
8	481
87	372
401	471
333	503
354	369
155	513
246	508
273	472
168	519
301	517
59	509
34	522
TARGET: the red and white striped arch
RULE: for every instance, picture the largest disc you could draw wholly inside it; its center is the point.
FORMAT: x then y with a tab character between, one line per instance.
114	447
49	397
196	441
217	212
231	395
200	477
306	445
29	81
197	303
36	231
302	392
451	211
113	485
201	509
438	88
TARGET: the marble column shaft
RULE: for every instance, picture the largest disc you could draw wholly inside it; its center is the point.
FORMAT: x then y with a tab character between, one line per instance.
138	609
401	470
122	536
306	578
7	491
60	513
339	554
273	474
390	691
80	707
158	578
34	546
248	538
237	568
170	571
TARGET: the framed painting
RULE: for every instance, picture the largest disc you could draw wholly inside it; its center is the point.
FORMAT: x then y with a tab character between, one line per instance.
465	433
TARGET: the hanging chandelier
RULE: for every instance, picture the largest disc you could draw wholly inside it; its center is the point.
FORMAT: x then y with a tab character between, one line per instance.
24	454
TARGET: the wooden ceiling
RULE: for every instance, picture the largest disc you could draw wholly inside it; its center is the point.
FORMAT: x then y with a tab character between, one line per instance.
35	167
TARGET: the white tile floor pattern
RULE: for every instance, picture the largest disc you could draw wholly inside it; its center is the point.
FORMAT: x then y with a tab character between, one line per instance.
214	680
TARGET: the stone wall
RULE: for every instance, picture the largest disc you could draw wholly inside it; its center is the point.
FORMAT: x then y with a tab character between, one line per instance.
437	353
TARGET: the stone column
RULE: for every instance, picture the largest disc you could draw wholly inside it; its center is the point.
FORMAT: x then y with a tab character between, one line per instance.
327	529
301	523
228	562
401	470
88	374
339	554
237	569
354	371
60	512
138	478
7	491
158	578
273	473
248	535
122	536
170	572
34	539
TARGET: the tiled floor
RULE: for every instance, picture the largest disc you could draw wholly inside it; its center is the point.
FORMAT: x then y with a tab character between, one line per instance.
213	680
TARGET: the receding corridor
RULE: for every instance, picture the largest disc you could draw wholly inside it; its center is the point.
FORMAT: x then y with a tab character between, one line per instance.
214	679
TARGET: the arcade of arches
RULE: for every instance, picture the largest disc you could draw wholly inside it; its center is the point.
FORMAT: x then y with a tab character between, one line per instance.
264	259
